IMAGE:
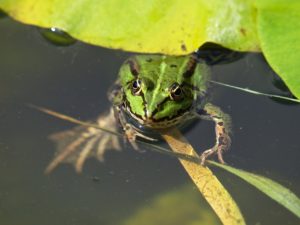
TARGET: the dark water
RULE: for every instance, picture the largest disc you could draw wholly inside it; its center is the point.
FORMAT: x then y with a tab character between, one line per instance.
74	80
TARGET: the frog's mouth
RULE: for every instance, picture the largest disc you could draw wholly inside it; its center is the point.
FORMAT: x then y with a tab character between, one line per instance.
162	123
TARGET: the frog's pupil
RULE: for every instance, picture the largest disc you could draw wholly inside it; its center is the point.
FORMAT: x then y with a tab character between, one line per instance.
178	92
136	86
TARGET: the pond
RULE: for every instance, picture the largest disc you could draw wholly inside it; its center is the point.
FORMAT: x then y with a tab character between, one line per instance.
129	187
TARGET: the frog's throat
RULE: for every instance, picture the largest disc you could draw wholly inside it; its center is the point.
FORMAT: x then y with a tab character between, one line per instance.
162	123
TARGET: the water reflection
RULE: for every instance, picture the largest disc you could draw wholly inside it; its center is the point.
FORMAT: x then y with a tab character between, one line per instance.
74	81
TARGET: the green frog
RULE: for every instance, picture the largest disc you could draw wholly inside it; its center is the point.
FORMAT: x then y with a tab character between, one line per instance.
152	92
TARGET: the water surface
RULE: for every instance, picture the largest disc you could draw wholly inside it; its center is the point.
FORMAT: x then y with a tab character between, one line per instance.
74	80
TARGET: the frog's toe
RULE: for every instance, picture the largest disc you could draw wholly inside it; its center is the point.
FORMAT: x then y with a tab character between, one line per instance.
218	150
206	154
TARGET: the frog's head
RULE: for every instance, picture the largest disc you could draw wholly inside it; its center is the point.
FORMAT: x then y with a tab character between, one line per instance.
161	89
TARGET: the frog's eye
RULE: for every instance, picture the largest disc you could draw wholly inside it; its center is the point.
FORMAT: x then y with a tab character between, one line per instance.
136	86
176	92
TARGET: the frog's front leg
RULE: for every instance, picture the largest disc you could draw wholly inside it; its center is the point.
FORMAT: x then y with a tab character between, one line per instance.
130	132
222	129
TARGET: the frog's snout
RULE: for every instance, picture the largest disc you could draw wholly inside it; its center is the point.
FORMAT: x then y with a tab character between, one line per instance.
148	115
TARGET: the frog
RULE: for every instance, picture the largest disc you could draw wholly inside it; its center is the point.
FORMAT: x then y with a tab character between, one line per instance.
152	92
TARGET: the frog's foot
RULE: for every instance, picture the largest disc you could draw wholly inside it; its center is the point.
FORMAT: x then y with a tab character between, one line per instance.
222	144
131	134
222	129
75	146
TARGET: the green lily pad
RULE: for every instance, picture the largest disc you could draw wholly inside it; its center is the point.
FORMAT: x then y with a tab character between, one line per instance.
153	26
279	32
176	27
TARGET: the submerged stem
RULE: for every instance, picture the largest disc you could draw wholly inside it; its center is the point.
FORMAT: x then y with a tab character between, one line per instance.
255	92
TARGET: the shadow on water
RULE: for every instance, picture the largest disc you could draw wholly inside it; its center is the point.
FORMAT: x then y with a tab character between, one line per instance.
74	80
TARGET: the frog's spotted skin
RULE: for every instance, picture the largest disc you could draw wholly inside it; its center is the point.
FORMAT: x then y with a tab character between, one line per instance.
153	106
145	94
157	92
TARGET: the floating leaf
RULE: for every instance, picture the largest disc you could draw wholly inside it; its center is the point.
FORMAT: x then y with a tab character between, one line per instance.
207	183
279	32
243	25
274	190
140	25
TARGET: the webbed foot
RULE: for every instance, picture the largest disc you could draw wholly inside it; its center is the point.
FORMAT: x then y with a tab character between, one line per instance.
222	129
131	134
219	148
